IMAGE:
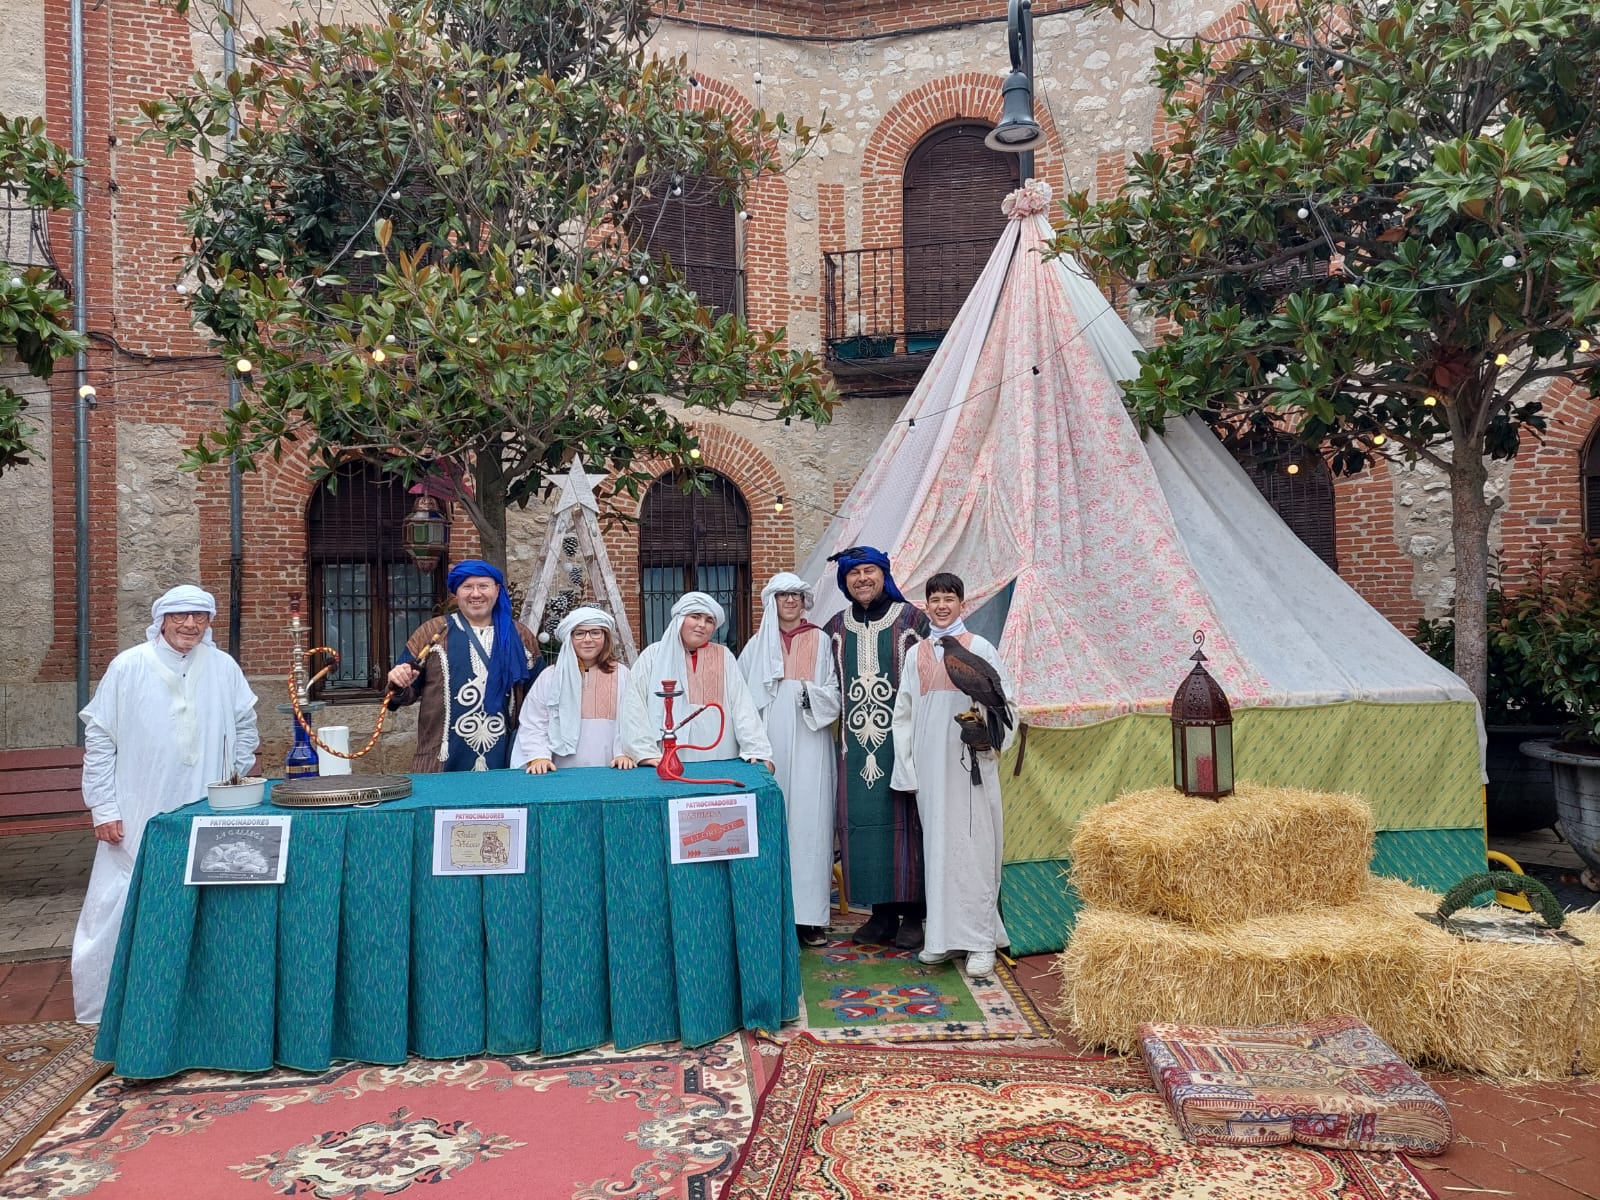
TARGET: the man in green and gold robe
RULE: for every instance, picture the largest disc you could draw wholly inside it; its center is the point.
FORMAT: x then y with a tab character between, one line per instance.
880	837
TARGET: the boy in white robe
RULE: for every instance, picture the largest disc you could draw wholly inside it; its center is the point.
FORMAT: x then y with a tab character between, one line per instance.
708	672
962	825
569	718
789	667
170	717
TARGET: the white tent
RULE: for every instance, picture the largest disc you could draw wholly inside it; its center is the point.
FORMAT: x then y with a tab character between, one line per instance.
1015	465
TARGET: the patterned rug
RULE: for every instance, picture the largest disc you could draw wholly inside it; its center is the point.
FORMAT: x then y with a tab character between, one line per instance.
660	1123
870	993
44	1067
860	1122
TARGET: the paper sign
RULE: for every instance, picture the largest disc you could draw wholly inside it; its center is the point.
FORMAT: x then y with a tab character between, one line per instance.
712	828
481	842
237	850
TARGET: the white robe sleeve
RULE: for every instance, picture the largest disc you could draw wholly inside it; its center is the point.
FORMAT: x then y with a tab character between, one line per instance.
99	770
637	732
822	705
624	677
904	777
245	736
533	724
748	726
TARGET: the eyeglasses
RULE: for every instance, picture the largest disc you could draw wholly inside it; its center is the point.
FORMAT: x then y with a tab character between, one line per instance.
588	633
190	618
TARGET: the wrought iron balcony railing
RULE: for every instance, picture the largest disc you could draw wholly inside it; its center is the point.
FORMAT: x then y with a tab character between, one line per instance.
896	303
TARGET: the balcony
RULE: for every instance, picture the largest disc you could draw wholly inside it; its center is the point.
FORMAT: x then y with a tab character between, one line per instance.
886	309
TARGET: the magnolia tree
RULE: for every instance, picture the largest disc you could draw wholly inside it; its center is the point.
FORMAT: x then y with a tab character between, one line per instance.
422	244
35	310
1378	225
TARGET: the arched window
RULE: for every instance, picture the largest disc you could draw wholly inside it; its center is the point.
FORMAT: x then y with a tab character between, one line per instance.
695	541
366	592
951	211
1591	485
1298	485
691	222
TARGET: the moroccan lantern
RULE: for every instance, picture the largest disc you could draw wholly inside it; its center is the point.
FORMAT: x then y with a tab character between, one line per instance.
1202	733
426	533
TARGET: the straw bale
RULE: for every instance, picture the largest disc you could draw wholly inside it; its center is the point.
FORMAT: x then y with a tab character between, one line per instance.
1261	851
1510	1012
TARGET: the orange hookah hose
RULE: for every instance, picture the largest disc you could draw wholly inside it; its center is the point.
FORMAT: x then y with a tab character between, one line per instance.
383	708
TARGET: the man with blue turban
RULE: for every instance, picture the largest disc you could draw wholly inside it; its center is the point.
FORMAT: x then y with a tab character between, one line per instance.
467	672
880	836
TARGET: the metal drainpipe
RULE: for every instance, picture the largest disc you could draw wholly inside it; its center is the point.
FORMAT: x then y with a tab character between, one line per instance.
235	475
80	324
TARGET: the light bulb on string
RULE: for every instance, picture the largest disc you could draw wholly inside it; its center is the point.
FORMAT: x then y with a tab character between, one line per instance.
695	453
1509	261
1429	401
244	366
16	281
1378	439
378	355
86	392
912	424
1303	213
472	339
390	338
1501	360
181	288
633	364
744	214
556	291
777	505
644	281
1583	345
519	290
1292	469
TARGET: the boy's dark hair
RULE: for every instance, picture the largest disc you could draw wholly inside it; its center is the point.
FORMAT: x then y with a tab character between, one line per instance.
944	581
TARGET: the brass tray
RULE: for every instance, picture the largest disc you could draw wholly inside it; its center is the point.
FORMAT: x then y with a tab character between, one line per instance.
340	791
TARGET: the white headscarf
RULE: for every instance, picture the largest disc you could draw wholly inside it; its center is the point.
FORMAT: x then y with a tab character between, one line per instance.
182	599
762	660
674	663
566	698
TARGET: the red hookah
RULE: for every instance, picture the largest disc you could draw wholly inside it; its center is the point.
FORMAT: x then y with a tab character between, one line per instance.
670	767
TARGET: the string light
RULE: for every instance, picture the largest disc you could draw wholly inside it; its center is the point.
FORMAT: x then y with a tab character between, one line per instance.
1303	213
378	355
390	339
1292	469
1379	439
181	288
1583	345
1429	401
633	364
1036	368
695	453
244	366
16	281
912	424
1509	261
644	281
472	339
777	505
519	290
86	392
744	214
1501	360
556	291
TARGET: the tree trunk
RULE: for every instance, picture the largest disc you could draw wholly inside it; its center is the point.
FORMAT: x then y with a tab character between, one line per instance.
1469	532
489	516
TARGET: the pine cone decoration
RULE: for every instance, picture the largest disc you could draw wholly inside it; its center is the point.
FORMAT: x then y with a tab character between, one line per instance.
569	545
575	573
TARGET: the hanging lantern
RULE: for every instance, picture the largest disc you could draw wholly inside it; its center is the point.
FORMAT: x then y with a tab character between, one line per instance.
426	533
1202	733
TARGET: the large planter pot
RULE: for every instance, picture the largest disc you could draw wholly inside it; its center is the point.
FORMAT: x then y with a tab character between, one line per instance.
1521	795
1577	784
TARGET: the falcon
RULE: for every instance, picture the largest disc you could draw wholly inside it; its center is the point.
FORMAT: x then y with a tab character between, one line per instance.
980	682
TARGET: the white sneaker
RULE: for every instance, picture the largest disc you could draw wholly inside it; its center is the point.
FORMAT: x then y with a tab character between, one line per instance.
933	958
980	963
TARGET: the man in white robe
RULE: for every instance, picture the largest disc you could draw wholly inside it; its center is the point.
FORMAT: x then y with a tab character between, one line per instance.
962	824
789	667
170	717
709	673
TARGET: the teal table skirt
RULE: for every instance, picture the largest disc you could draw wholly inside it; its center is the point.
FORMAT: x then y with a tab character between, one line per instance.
364	954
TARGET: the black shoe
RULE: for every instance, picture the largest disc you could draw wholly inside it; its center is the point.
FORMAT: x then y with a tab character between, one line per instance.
879	930
910	935
812	935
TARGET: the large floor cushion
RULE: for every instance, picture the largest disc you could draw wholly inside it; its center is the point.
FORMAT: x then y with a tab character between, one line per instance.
1330	1083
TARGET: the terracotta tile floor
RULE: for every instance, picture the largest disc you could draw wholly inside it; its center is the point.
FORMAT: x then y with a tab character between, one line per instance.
1534	1143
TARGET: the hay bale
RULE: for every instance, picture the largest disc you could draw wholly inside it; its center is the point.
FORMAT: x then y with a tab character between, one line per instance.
1510	1012
1261	851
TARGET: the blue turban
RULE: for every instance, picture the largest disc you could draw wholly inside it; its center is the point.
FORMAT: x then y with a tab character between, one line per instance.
857	556
508	661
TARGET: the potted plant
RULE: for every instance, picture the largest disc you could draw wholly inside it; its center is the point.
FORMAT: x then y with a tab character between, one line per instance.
1552	622
1520	794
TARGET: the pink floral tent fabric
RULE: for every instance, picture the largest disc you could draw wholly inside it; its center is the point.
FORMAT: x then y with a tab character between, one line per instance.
1015	463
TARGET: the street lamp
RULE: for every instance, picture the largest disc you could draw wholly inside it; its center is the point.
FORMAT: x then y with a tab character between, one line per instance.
1018	132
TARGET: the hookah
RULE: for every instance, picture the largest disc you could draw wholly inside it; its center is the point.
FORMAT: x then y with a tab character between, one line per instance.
302	759
671	766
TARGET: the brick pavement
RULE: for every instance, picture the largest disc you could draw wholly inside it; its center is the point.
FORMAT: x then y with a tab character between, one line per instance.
42	881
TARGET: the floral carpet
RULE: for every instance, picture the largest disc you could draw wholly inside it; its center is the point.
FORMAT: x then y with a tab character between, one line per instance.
869	993
859	1122
658	1123
44	1067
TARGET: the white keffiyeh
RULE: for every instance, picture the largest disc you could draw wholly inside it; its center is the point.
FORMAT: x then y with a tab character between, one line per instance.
566	699
762	659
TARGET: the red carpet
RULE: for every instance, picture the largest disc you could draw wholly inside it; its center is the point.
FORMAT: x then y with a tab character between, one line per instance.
868	1122
660	1123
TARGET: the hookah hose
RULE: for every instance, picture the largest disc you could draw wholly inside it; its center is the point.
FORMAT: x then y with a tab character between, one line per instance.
383	706
671	767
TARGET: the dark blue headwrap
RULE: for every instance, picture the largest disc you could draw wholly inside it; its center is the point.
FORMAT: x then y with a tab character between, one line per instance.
508	661
870	556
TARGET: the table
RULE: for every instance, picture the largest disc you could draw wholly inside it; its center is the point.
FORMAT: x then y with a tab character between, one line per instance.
363	953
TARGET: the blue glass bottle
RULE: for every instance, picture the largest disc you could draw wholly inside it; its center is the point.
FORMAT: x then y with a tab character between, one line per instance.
301	762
